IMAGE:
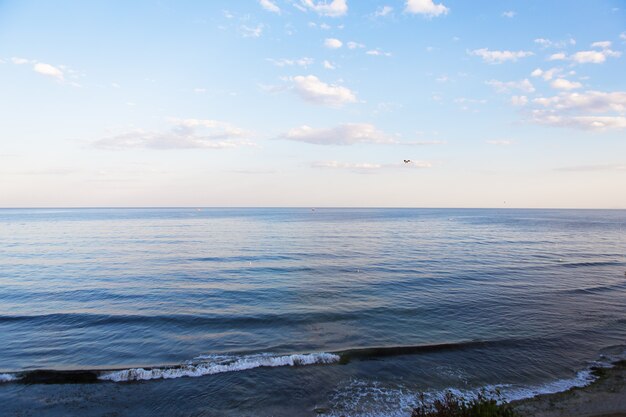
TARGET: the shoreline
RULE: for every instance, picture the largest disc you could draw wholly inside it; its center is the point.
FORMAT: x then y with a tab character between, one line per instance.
605	397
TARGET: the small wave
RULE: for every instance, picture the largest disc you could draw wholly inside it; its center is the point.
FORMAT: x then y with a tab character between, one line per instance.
584	264
8	378
380	352
362	398
219	364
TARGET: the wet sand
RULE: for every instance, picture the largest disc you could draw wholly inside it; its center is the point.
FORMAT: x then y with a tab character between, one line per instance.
606	397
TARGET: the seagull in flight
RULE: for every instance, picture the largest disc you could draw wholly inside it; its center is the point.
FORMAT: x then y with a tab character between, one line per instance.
407	161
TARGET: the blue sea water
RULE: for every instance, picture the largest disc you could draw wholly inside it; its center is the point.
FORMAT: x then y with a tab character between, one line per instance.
299	312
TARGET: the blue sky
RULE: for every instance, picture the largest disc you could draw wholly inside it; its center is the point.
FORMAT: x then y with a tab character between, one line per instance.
313	103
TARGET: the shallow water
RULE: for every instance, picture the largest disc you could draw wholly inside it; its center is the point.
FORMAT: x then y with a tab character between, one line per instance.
277	311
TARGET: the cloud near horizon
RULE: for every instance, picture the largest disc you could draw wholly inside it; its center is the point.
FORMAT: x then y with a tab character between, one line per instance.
344	134
183	134
366	167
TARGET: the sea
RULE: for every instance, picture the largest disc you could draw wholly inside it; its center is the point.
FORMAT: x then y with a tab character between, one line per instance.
302	311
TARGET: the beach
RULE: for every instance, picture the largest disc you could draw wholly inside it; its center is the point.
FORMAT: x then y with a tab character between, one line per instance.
605	397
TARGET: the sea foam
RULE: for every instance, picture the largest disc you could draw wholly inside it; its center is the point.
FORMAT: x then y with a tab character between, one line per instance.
218	364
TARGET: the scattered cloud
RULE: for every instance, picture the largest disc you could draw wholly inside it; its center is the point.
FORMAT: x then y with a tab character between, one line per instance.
510	14
559	56
270	6
622	36
426	7
354	45
601	44
378	52
365	167
333	43
519	101
580	122
183	134
19	61
595	56
334	8
504	87
591	110
344	134
589	101
383	11
48	70
563	84
300	62
547	75
547	43
328	65
251	32
498	57
312	89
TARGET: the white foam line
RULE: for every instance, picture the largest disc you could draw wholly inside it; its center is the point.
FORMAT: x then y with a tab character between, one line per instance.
8	378
220	364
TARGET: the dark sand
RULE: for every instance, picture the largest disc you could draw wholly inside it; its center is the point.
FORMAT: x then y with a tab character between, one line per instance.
606	397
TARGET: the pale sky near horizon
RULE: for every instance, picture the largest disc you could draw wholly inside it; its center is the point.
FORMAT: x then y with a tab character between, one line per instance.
313	103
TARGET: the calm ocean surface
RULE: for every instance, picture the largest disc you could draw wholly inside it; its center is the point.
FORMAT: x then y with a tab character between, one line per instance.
295	312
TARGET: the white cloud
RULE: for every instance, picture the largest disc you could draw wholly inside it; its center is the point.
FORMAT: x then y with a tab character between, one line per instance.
383	11
601	44
251	32
345	134
184	134
591	110
426	7
334	8
519	100
589	57
580	122
48	70
510	14
559	56
563	84
301	62
354	45
269	6
589	101
503	87
333	43
622	36
498	57
328	65
378	52
547	74
19	61
364	167
547	43
595	56
313	90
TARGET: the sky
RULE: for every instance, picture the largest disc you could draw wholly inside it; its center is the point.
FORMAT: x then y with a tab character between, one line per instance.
307	103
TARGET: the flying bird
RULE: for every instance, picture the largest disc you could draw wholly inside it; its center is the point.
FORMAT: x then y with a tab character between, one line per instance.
407	161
